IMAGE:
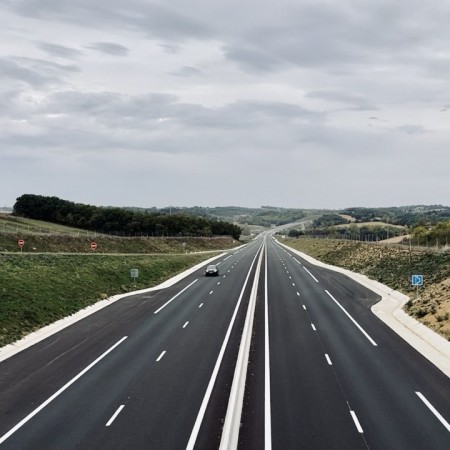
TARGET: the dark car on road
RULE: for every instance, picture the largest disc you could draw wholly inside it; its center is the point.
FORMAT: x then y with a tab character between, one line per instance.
212	271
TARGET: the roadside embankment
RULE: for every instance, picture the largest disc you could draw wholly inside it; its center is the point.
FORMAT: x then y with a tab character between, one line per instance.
430	344
56	275
393	267
64	243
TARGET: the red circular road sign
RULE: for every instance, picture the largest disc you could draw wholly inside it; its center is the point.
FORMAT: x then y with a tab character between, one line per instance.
21	242
93	245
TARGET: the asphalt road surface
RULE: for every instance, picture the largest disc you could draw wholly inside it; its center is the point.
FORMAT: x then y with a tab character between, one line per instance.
278	352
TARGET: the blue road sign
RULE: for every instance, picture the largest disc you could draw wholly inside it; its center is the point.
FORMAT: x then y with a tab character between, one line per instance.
417	280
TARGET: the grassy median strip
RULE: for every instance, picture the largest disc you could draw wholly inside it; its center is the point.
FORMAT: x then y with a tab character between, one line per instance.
36	290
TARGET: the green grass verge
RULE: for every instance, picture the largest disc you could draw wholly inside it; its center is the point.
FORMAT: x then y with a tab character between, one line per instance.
36	290
10	223
37	243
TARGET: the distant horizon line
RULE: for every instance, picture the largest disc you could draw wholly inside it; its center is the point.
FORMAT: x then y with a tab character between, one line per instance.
11	208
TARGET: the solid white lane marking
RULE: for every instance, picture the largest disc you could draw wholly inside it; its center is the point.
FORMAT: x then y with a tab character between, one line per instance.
328	360
186	324
313	327
355	419
201	304
174	297
202	410
360	328
160	356
59	392
312	276
113	418
434	411
267	401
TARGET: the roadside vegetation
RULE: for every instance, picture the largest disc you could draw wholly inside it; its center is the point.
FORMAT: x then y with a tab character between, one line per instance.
66	243
425	226
14	224
36	290
393	267
56	273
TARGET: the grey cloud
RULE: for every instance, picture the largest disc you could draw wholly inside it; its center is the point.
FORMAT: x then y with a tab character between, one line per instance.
110	48
187	71
344	36
159	123
359	55
354	102
106	106
115	109
412	129
170	22
60	50
34	72
170	48
334	36
252	57
12	70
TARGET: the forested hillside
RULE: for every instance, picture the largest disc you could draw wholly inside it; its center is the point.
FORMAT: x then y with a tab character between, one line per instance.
404	215
120	220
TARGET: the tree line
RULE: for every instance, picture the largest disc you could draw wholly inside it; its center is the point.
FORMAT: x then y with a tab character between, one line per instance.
115	220
410	216
360	233
439	233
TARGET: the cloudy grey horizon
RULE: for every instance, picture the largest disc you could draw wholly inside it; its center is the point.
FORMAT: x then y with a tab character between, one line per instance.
300	104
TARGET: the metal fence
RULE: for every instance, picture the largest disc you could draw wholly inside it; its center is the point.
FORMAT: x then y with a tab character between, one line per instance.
422	244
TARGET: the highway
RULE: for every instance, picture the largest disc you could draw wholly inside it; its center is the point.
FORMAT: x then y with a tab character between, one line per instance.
275	351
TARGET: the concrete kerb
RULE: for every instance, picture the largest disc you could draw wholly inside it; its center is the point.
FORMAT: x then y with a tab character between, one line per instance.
390	310
30	339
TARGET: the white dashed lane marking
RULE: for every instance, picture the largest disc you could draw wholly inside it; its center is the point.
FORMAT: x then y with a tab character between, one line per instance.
160	356
113	418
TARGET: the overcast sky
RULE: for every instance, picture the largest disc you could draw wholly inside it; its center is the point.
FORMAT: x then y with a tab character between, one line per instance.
294	103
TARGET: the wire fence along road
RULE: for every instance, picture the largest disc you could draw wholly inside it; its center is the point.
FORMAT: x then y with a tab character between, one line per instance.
406	244
29	229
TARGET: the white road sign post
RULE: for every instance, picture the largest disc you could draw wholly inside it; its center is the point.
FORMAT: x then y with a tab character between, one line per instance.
134	274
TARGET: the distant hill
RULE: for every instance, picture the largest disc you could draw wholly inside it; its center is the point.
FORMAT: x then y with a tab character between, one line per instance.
265	216
403	215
